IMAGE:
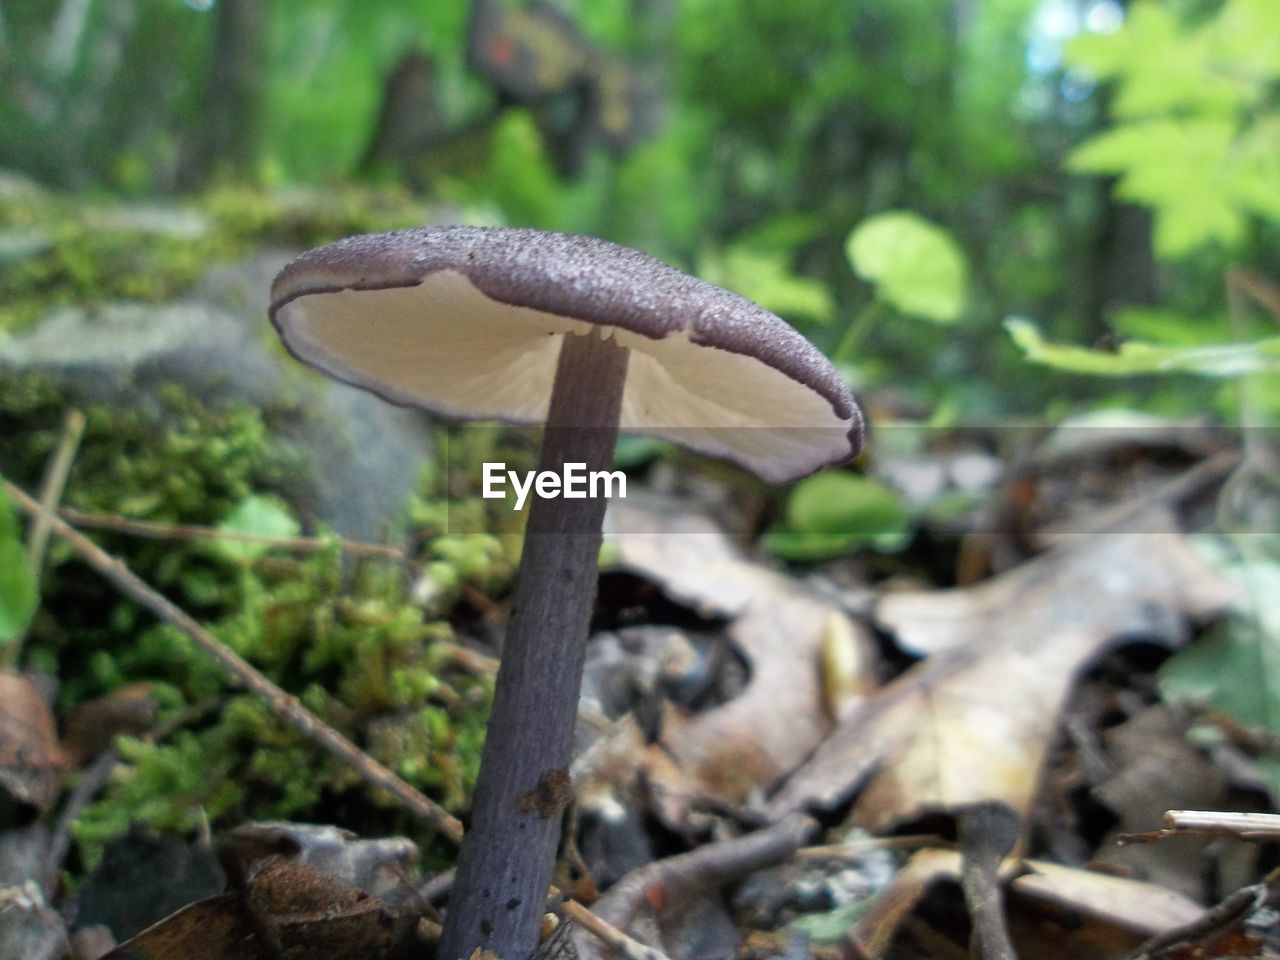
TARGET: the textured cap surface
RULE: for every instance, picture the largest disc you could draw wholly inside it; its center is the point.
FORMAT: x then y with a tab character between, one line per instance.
468	321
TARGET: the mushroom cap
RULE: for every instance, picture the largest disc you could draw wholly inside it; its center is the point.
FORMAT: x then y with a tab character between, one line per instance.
468	322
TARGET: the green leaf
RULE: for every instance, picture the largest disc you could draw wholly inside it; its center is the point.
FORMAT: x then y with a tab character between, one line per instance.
1236	669
916	267
833	512
1196	142
263	516
631	451
1168	327
1136	357
19	592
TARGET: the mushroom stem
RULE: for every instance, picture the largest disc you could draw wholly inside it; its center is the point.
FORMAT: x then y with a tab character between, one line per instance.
506	860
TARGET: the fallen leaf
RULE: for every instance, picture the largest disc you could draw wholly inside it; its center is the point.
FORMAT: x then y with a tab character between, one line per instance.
376	866
1153	768
1123	911
92	727
285	911
973	722
1136	905
31	763
746	745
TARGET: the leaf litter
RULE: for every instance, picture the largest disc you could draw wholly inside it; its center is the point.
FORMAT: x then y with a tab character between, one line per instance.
968	734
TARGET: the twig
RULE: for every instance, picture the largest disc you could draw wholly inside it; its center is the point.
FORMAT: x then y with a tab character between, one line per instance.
682	876
169	531
1213	922
1263	827
284	704
627	947
92	779
55	482
469	660
436	887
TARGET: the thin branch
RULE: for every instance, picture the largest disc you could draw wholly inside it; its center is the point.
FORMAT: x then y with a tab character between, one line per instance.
678	878
625	946
1246	826
169	531
1214	922
1264	827
55	483
284	704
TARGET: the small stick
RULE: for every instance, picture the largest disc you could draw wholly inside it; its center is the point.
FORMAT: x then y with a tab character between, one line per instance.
1215	921
55	482
286	705
681	876
1261	827
469	660
1245	826
626	946
168	531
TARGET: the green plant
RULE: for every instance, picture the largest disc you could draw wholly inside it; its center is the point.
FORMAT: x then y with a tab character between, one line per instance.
1195	137
18	589
915	268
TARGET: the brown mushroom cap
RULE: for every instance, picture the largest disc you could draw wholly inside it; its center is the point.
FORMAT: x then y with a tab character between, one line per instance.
468	321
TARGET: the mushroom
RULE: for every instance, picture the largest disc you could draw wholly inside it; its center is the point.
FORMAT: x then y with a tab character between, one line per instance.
587	337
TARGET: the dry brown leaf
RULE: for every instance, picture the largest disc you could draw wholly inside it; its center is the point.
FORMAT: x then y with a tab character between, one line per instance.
1136	905
745	746
93	726
1122	911
748	744
973	722
285	911
31	762
1152	768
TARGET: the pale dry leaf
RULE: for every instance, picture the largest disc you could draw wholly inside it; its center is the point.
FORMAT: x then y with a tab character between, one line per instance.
1136	905
746	745
973	722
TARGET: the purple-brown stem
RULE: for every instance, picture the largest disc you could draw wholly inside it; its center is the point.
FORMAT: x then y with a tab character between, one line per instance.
507	856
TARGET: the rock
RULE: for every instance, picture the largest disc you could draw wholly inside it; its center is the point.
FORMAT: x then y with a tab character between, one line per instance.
29	927
364	454
143	878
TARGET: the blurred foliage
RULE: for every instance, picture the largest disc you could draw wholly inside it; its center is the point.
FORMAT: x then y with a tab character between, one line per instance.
17	584
835	511
1138	357
75	252
1196	134
915	267
1236	669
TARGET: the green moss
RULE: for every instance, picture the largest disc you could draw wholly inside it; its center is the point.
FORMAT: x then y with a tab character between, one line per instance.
360	642
349	637
77	250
